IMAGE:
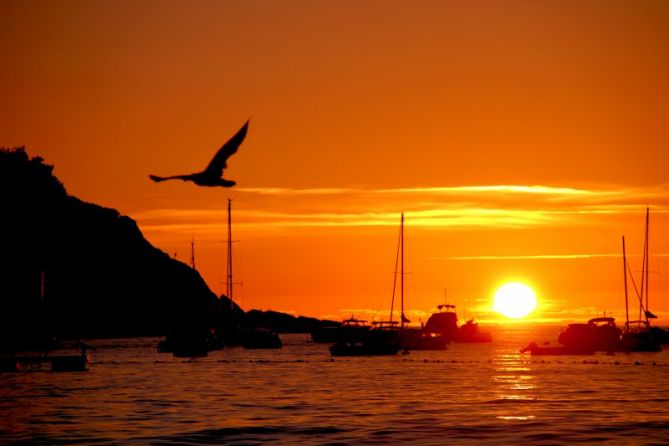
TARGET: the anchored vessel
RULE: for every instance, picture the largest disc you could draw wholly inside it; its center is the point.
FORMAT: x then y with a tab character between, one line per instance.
602	334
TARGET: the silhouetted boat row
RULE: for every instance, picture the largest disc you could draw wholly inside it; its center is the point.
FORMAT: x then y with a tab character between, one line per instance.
602	334
355	338
43	360
358	337
197	341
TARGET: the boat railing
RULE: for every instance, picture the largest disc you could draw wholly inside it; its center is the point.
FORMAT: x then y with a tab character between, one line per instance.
637	325
353	322
385	325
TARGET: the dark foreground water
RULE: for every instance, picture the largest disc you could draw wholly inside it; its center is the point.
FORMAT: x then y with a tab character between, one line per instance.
298	395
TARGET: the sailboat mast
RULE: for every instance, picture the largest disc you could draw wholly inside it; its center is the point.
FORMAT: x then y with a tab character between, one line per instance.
403	318
392	301
229	286
647	260
627	314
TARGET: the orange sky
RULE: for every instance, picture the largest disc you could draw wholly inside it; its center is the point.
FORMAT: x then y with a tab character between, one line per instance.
361	110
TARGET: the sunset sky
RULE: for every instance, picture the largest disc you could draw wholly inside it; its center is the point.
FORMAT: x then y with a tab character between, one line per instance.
522	139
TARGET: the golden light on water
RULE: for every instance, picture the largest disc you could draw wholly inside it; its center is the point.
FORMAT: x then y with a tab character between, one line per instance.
514	300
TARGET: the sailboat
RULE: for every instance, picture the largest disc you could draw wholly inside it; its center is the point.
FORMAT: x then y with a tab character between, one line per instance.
602	333
413	338
348	328
385	338
38	355
249	337
639	335
190	337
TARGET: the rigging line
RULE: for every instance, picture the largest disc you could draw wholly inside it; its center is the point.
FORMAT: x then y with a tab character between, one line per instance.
362	311
240	271
658	282
636	290
646	255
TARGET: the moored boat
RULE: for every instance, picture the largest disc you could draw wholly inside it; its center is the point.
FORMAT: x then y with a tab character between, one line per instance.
419	339
470	332
261	338
385	338
349	328
597	335
548	350
382	340
639	335
445	322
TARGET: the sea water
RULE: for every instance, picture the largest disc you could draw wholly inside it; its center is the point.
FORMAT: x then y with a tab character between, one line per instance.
470	393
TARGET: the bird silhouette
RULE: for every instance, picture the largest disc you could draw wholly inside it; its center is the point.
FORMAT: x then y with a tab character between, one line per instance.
213	174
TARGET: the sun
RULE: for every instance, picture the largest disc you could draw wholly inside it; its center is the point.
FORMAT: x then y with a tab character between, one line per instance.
514	300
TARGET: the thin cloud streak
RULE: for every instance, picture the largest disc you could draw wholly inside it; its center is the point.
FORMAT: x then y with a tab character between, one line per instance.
493	206
214	220
542	257
545	257
502	189
533	189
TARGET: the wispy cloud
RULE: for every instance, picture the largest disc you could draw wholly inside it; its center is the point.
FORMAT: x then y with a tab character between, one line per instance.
599	194
535	257
479	206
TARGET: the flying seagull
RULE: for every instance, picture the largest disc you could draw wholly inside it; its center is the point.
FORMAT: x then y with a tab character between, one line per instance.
213	174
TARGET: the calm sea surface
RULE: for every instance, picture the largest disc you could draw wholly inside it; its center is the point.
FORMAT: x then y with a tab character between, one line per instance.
467	394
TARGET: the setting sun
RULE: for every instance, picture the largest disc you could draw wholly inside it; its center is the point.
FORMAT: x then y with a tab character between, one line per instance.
514	300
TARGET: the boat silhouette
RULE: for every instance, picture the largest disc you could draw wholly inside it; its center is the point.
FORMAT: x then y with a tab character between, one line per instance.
349	328
248	337
445	322
389	336
188	337
602	334
413	338
38	353
639	335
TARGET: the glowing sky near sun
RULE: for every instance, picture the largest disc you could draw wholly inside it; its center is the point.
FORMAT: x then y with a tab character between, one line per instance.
521	139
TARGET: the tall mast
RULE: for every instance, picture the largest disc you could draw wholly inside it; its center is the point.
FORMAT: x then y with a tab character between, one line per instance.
229	286
403	318
397	257
627	314
646	257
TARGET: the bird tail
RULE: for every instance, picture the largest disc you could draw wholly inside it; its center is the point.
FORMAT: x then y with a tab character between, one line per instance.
157	179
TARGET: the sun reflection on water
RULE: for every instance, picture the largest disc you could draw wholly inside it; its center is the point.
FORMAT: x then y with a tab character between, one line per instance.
514	388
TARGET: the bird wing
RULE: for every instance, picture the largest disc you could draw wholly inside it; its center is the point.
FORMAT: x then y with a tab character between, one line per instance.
158	179
218	163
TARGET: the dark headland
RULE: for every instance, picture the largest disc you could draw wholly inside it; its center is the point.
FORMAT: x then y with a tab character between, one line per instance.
71	269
